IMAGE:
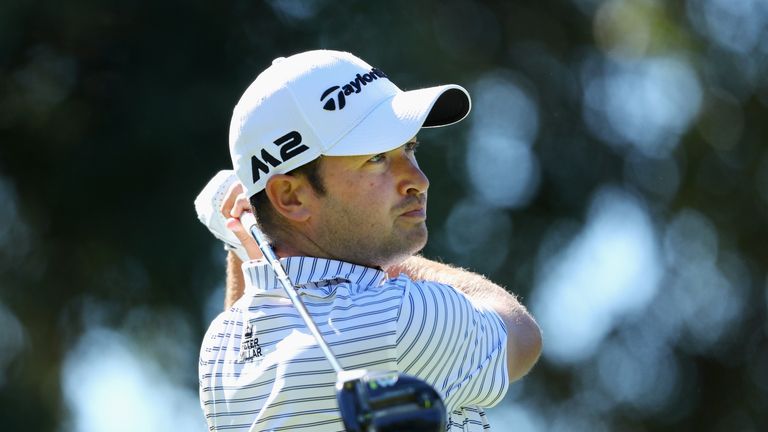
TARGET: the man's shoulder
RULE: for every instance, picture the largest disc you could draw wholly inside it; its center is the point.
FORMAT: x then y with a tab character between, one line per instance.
432	291
405	282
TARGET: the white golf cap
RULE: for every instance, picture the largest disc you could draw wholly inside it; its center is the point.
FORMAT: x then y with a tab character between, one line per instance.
329	103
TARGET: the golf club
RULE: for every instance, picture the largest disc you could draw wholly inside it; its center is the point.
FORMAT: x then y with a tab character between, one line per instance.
370	401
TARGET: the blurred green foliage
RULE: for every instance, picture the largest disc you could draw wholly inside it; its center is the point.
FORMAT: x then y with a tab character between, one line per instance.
114	114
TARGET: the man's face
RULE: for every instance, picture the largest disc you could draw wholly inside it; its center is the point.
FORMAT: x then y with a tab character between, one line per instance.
374	209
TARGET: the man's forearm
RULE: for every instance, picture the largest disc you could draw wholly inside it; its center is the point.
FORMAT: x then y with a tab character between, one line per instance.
523	334
235	284
474	285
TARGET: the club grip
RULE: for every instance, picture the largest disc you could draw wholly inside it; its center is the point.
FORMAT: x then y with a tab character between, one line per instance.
249	222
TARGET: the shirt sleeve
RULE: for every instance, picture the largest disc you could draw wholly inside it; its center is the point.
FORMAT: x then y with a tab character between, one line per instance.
453	343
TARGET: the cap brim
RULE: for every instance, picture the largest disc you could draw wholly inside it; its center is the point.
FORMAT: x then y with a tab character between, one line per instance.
399	118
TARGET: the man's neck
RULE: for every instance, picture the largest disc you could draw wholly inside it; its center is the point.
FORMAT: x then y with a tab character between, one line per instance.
283	250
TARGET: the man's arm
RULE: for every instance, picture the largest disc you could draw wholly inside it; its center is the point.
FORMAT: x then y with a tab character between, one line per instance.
235	284
523	334
214	205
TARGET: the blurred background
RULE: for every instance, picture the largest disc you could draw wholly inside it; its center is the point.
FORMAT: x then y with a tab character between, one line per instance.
613	173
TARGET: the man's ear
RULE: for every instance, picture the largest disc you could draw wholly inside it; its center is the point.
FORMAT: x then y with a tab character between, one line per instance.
289	196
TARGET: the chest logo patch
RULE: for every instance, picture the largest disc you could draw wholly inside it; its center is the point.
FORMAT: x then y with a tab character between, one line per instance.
249	347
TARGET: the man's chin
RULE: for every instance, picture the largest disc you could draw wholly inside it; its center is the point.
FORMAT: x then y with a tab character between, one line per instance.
418	241
410	246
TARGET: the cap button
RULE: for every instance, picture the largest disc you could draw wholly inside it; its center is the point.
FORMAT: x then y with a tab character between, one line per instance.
277	60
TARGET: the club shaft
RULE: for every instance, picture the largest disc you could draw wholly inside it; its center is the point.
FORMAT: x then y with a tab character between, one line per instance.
249	221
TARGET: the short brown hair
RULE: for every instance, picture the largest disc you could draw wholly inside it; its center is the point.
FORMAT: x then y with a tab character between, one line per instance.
269	221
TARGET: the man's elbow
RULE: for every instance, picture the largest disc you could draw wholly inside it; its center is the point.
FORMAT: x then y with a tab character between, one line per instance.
524	343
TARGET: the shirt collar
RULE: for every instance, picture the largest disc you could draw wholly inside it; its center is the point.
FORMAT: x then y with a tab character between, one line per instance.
310	272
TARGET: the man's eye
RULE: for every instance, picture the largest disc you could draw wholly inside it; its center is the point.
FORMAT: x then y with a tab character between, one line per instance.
378	158
411	146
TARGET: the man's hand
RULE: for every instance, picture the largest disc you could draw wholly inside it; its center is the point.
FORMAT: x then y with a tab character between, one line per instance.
219	207
208	207
234	204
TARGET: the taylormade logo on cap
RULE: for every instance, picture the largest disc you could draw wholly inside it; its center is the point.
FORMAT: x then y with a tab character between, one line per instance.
354	87
279	124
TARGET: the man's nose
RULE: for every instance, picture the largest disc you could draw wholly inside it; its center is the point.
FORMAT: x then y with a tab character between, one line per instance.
413	180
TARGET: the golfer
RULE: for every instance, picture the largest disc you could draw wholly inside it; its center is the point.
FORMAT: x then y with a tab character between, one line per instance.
323	146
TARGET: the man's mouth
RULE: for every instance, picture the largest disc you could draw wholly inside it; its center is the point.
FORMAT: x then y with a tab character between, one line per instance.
420	212
415	207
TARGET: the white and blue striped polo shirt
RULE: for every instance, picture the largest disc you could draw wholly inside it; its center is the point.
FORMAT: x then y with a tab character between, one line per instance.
260	369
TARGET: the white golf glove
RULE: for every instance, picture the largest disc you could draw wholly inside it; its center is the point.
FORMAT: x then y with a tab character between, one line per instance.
208	207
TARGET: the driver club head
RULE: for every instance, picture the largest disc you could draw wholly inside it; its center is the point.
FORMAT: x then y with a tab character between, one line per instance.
388	401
